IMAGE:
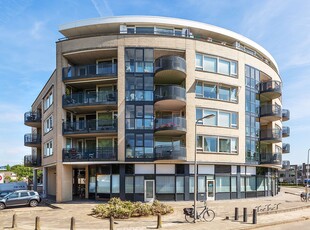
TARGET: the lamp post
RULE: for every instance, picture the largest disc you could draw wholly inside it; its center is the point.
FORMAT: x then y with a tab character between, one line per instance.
307	196
195	164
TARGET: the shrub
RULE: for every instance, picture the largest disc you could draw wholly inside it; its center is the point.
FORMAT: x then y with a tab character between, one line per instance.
125	209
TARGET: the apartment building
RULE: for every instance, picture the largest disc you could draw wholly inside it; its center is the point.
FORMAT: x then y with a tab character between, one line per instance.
123	113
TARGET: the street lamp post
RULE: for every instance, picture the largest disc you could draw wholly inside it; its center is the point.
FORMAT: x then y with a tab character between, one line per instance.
307	196
195	164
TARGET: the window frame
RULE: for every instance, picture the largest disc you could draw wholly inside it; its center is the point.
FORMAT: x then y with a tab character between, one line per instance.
232	150
48	148
217	117
48	124
48	100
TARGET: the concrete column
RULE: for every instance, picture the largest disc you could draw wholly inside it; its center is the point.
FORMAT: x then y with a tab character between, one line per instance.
35	180
44	182
86	181
122	181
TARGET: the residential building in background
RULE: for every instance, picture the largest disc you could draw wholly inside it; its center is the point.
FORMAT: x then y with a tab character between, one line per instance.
117	116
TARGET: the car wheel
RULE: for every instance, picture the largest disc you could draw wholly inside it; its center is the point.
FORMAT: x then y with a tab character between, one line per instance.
2	206
33	203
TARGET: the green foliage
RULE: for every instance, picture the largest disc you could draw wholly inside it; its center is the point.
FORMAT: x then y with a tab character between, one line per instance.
125	209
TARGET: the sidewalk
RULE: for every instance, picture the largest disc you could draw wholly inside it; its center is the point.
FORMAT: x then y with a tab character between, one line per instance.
60	218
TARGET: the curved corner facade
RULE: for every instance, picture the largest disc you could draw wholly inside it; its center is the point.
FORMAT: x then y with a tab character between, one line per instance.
118	115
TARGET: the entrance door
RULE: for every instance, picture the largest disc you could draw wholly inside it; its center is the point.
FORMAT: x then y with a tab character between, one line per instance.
210	190
149	190
78	189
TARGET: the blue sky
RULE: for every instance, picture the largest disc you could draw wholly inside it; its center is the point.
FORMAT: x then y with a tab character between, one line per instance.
29	30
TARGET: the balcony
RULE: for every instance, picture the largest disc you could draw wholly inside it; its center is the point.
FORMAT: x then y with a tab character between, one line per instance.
286	131
170	126
87	72
271	135
269	113
32	161
90	127
83	102
286	148
98	154
270	90
32	140
170	70
271	158
170	153
285	114
32	119
169	98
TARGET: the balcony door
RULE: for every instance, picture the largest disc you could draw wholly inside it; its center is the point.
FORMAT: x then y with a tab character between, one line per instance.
105	93
105	120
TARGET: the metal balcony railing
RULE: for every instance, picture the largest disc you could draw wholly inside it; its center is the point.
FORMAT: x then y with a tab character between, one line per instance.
169	92
270	86
270	110
90	126
286	148
271	158
95	98
32	161
107	69
170	123
271	134
32	139
286	131
32	117
285	114
170	153
98	154
170	63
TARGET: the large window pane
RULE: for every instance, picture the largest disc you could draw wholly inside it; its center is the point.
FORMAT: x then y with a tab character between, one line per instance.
209	91
250	184
224	145
260	184
199	143
191	184
233	94
198	61
224	119
115	183
201	184
139	184
199	89
180	184
224	93
211	120
103	183
148	55
234	120
165	184
209	64
199	115
233	184
233	68
128	184
222	184
224	67
234	145
210	144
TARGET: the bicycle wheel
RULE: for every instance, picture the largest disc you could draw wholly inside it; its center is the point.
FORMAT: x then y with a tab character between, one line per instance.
209	215
189	218
303	198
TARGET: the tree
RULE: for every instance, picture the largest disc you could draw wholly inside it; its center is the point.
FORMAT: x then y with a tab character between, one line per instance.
8	168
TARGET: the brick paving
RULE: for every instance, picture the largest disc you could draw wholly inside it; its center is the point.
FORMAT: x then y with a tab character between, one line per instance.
60	218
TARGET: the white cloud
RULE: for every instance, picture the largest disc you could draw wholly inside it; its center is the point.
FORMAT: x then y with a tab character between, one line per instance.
103	8
36	30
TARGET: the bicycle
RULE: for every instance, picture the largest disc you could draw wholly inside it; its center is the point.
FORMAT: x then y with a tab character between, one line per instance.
207	214
303	197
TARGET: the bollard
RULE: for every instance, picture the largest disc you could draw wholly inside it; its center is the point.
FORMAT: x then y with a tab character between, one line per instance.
14	224
72	225
245	217
37	224
254	216
111	223
159	223
236	214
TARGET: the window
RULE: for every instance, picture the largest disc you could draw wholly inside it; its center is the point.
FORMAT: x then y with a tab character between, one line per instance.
24	194
129	184
48	124
209	64
48	101
115	183
199	61
215	144
165	184
216	65
180	184
212	91
222	184
139	184
139	145
139	60
103	183
220	118
48	148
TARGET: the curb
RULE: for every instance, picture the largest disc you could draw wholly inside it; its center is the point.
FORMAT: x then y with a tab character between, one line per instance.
276	223
50	205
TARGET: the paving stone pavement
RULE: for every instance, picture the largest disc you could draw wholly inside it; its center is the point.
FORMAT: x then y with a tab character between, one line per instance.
290	209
